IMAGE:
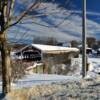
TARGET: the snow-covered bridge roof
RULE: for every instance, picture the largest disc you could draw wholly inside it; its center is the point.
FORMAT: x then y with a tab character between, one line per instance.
51	48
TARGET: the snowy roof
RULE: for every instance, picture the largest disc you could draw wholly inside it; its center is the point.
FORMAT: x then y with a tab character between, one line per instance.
50	48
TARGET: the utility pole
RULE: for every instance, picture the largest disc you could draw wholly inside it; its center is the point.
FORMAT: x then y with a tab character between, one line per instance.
84	56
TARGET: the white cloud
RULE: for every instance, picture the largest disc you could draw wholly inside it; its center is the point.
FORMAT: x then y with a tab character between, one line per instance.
87	12
70	29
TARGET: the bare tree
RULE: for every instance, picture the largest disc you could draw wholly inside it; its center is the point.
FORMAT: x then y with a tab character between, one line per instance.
6	10
91	41
45	40
74	43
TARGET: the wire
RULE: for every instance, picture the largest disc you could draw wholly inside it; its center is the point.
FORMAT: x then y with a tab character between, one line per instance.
67	3
21	39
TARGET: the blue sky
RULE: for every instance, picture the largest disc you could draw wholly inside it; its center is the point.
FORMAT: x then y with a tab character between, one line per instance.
70	28
93	6
93	12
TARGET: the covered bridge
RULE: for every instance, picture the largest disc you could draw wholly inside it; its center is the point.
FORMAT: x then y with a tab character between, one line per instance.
37	52
47	54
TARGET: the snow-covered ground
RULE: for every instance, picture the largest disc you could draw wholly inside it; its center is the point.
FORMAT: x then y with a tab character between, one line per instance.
38	79
93	61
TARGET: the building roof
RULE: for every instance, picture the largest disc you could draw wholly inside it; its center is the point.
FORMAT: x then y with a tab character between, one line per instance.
50	48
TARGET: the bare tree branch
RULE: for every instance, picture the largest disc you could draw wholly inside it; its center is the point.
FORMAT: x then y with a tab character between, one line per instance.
22	15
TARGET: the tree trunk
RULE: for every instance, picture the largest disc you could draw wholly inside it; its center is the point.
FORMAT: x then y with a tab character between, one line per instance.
6	66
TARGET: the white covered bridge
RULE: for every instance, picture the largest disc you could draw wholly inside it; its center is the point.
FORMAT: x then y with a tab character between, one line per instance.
50	56
36	52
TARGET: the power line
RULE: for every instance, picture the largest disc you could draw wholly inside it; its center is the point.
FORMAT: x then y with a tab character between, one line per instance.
67	3
57	25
